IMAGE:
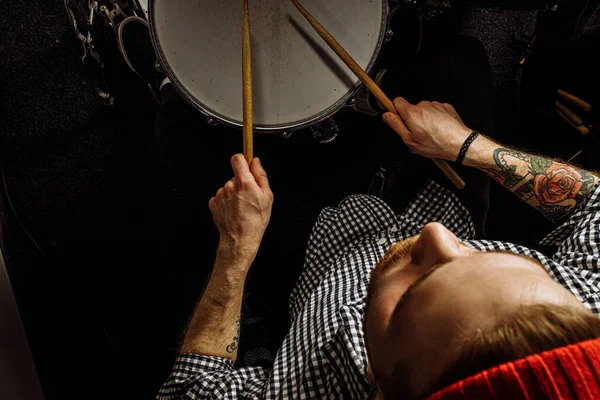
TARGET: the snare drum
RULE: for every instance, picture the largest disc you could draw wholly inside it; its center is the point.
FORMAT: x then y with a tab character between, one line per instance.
298	80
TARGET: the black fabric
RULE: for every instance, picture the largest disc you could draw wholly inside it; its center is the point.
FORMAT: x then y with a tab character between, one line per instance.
456	71
195	156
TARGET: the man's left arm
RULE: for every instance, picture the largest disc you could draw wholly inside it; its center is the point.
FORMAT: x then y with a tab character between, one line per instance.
214	329
204	367
241	211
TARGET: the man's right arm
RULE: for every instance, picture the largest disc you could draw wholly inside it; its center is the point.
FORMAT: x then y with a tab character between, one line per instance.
435	130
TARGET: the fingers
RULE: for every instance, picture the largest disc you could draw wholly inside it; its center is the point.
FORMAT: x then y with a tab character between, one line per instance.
230	186
396	123
241	170
259	173
403	108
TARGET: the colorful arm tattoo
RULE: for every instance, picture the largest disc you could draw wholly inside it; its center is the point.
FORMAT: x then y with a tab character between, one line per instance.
552	187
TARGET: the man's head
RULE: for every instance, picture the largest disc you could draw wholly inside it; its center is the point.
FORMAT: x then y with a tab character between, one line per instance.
431	297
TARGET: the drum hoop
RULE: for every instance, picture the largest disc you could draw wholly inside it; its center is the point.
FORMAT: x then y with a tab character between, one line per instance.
265	128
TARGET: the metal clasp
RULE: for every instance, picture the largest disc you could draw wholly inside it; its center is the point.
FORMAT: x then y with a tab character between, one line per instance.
326	131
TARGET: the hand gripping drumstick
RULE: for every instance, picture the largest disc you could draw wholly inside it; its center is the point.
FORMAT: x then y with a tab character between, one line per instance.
370	84
247	85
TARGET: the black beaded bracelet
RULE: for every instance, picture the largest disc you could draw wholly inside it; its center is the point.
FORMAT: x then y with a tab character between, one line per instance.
463	150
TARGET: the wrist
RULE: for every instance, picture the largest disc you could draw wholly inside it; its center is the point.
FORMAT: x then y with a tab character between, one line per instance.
458	140
478	153
234	255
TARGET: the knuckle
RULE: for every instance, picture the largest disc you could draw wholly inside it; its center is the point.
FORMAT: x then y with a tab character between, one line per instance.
412	145
245	183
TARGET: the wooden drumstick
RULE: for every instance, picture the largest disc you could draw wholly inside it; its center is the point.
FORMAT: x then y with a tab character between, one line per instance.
582	129
370	84
584	105
574	118
247	85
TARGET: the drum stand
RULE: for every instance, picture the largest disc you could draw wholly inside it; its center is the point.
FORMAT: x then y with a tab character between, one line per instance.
88	18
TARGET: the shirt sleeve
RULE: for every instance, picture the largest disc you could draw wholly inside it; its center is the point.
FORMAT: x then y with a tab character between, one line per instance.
202	377
578	238
578	253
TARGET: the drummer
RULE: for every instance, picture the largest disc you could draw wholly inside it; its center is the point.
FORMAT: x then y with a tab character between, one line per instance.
410	305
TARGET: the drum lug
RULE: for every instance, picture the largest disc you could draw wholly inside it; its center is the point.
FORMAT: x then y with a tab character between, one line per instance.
389	35
326	131
212	121
286	134
351	102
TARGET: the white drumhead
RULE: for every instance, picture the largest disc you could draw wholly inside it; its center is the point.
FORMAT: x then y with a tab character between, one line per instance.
297	79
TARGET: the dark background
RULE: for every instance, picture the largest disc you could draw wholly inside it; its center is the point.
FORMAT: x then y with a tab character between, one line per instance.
122	252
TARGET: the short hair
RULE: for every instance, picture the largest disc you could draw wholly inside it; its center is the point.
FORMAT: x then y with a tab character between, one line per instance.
531	330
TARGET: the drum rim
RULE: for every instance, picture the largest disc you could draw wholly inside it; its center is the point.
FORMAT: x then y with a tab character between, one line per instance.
290	127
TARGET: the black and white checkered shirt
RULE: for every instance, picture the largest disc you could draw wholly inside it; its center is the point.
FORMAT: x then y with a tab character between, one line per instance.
324	354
